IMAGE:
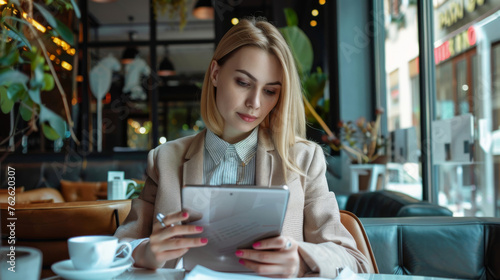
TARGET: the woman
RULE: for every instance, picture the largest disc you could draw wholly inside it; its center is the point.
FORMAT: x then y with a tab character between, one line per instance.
252	106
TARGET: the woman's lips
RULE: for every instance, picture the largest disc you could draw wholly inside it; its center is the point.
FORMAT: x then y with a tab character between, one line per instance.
247	118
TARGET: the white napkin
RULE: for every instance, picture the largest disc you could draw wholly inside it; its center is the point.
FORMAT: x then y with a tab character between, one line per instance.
348	274
203	273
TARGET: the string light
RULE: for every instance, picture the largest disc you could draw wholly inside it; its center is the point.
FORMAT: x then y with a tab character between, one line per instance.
66	66
235	21
313	23
35	23
314	12
65	46
322	2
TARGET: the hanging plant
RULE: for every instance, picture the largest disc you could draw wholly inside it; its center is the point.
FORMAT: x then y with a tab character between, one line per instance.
26	70
173	7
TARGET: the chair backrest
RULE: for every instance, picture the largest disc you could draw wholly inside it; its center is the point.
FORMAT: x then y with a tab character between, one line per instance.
386	203
447	247
47	226
355	228
32	196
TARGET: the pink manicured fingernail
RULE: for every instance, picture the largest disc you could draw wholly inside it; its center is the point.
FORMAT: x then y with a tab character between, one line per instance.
185	214
239	253
256	244
204	240
198	228
241	261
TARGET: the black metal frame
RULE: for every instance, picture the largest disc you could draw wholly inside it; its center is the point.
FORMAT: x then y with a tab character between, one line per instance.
428	92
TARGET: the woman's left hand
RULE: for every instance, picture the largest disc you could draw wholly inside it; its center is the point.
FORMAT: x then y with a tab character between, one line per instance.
273	257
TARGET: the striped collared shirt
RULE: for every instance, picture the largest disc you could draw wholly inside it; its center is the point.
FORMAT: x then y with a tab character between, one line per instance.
225	163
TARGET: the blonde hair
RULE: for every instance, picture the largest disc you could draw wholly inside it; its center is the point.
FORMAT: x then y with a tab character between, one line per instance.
288	116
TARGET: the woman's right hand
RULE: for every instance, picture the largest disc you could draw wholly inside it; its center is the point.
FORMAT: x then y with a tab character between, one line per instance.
167	243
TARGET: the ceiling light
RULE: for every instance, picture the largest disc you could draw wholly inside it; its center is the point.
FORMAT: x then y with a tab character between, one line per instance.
203	9
166	68
130	52
129	55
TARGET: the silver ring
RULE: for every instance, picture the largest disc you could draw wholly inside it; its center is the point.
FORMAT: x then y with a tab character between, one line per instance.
160	218
288	244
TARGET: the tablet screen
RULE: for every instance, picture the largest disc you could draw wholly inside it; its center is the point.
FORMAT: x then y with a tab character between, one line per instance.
233	217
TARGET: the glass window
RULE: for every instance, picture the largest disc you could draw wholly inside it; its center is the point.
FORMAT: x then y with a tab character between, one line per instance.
403	97
181	119
466	114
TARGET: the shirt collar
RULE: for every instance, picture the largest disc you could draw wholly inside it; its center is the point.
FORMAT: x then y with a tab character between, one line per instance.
245	149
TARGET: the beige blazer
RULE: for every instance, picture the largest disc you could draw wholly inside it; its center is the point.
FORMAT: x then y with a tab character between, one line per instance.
312	216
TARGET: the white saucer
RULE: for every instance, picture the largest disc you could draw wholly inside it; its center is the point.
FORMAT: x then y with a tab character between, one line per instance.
66	270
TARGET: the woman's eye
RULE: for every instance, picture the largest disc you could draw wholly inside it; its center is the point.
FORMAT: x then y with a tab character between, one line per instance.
242	83
270	92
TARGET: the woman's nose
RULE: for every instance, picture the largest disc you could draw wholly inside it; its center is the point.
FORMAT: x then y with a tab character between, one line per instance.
253	99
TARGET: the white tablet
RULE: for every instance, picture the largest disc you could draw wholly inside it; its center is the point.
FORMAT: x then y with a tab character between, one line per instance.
233	217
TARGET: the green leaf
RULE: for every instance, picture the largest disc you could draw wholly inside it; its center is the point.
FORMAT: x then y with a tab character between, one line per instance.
11	76
11	58
301	48
5	103
65	33
5	13
17	36
39	73
291	17
37	62
55	122
31	55
314	85
26	109
48	82
47	15
75	7
34	94
49	132
14	91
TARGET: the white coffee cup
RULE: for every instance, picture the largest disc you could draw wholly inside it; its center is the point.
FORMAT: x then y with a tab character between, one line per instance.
117	189
96	252
20	263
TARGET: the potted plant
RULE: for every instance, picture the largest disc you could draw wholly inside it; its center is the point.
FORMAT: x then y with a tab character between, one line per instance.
365	147
361	140
25	68
313	83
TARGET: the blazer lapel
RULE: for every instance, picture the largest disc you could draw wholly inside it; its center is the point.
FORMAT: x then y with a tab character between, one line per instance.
265	161
268	169
192	173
